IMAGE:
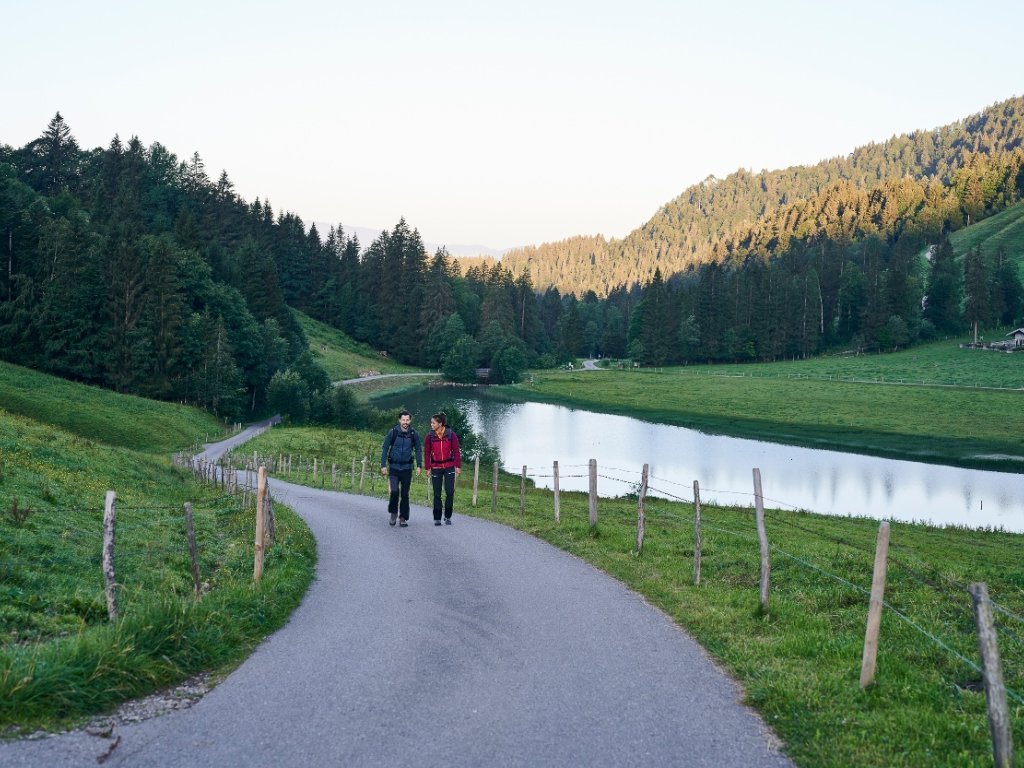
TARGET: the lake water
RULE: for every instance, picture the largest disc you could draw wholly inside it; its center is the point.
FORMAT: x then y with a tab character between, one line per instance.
829	482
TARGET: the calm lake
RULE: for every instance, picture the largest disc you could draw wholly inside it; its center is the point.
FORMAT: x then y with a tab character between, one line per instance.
829	482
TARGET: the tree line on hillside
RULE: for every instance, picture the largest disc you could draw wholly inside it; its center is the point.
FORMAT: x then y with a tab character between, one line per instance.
131	269
963	172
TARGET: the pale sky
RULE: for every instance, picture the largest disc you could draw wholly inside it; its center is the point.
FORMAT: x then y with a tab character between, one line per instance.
498	124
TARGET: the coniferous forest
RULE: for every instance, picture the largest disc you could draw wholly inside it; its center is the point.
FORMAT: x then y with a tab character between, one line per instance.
132	269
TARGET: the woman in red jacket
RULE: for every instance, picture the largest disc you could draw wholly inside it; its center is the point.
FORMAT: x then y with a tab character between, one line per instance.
443	461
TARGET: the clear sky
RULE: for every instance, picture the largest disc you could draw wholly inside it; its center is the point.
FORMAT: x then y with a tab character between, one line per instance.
499	124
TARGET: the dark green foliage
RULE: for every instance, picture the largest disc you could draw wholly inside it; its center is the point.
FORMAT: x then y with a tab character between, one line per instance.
128	269
460	362
288	395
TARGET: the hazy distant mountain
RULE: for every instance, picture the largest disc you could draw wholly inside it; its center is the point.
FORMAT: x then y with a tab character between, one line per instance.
367	235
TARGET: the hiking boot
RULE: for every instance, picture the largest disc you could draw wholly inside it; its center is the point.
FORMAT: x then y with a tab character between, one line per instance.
447	521
403	523
394	518
437	522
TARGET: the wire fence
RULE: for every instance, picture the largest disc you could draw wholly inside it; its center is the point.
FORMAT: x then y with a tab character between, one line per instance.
671	503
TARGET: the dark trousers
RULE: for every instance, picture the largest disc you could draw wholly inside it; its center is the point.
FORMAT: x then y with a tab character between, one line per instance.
399	480
447	477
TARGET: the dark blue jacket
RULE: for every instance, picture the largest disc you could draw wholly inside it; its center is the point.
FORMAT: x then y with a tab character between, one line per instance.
398	448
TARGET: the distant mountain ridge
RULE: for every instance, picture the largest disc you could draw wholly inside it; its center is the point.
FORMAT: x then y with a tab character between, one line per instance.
367	235
707	221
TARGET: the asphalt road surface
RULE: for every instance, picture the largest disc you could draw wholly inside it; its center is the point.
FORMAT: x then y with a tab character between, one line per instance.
462	645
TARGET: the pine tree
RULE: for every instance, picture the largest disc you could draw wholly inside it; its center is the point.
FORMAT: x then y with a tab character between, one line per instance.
942	304
976	290
56	158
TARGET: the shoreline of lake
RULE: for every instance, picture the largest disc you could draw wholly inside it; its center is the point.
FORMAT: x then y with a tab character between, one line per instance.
813	478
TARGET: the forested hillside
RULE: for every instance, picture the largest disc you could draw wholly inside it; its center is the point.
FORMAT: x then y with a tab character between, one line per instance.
129	268
941	179
132	269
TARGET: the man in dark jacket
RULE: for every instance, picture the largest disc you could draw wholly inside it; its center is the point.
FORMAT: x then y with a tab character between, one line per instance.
401	446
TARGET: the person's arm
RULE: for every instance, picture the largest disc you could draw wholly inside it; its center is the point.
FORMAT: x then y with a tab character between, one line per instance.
419	452
384	452
427	451
457	453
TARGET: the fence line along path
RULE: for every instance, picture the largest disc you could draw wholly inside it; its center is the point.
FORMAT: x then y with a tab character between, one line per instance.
463	645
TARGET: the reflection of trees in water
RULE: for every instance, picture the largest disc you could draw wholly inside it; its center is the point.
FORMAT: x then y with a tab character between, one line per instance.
968	495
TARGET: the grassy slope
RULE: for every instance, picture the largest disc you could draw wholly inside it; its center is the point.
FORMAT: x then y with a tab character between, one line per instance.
60	658
797	403
1004	230
343	357
102	415
800	663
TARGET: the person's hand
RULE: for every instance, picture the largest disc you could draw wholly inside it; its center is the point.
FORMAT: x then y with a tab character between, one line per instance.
458	470
418	470
384	471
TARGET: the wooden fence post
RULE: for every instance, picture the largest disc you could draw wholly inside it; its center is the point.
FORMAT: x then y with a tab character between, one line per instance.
868	662
261	492
494	491
696	533
362	475
193	556
334	476
476	477
593	492
641	516
522	493
762	537
314	471
995	690
269	521
353	473
558	500
109	529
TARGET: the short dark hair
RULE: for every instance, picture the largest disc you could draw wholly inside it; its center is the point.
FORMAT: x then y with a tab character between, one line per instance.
441	418
404	412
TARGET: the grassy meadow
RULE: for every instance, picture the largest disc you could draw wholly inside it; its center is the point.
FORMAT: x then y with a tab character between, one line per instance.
342	356
854	404
61	659
104	416
799	663
1004	230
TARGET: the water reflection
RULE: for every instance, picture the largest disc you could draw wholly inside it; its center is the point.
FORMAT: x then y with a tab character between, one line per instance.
830	482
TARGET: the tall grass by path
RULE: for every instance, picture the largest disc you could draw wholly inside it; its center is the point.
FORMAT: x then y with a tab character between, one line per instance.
60	657
799	664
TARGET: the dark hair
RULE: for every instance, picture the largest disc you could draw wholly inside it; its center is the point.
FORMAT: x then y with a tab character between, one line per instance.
404	413
441	418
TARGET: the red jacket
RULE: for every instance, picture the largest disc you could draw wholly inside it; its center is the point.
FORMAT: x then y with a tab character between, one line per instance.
441	452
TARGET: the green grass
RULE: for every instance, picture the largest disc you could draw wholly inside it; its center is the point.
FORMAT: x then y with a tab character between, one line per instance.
61	659
799	664
939	363
101	415
1004	230
781	403
342	356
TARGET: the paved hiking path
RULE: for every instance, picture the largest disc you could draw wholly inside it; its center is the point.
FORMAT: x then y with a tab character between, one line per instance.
463	645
